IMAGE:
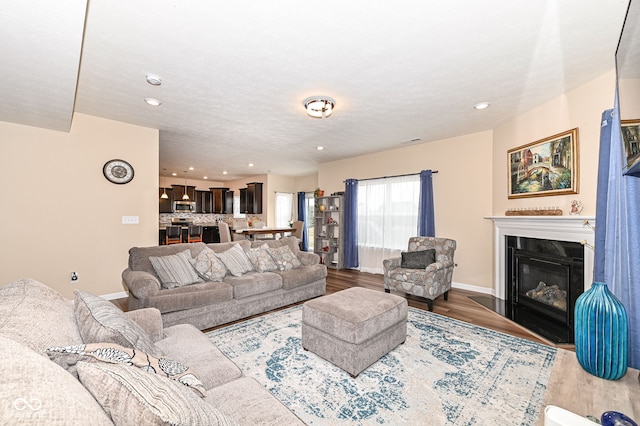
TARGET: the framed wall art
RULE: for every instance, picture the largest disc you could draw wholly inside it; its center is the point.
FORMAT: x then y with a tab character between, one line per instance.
545	167
631	138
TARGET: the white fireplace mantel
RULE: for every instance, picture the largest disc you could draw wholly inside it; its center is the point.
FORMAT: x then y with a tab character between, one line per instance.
579	229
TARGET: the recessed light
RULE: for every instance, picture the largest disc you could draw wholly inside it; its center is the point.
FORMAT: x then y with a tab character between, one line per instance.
174	174
153	101
224	172
320	148
205	177
482	105
250	164
191	168
154	80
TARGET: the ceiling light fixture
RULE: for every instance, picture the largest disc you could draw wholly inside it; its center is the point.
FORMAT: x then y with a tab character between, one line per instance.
319	106
482	105
319	148
152	101
164	195
224	172
154	80
250	164
185	196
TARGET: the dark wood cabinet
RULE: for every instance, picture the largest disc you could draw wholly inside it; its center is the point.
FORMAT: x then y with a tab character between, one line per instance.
179	190
204	202
251	198
166	205
220	200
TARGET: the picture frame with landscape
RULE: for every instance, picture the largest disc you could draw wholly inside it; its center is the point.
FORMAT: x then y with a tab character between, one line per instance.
631	139
545	167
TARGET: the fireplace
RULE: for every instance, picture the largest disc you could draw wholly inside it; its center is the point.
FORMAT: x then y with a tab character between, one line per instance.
542	264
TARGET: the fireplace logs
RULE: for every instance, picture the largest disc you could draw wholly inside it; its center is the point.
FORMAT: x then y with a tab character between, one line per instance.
549	295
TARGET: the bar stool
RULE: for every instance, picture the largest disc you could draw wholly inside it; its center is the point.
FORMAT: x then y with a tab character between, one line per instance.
194	235
174	235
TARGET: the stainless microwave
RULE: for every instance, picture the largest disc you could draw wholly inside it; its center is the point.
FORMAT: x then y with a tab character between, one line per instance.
184	207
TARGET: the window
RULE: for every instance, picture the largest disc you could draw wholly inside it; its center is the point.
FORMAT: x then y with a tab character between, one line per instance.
284	209
236	207
310	203
387	217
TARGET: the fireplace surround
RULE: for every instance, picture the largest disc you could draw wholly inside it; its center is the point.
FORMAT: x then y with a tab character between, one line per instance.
551	259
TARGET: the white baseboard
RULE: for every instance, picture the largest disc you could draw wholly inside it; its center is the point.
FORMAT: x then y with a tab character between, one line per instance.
469	287
113	296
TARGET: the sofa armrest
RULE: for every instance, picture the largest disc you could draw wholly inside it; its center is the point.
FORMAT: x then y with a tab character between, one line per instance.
436	266
390	264
150	320
141	284
308	258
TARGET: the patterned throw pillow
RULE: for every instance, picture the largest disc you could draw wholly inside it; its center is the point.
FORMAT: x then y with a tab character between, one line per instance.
133	397
236	260
208	266
417	259
261	259
284	258
99	320
68	356
175	270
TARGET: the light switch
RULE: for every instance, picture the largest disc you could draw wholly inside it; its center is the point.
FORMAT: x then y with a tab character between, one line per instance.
130	220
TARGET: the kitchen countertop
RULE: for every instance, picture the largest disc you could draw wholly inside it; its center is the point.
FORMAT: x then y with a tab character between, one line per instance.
163	226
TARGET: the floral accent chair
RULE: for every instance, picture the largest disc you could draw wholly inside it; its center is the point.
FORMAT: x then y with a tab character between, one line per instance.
429	281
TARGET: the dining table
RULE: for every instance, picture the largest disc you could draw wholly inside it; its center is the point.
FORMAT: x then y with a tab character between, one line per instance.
252	232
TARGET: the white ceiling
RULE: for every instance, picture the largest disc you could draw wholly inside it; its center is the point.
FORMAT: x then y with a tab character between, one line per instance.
235	73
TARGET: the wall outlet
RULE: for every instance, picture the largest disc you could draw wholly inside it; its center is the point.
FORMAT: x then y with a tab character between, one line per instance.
130	220
74	277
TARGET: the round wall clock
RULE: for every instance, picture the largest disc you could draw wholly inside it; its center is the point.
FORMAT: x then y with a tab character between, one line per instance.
118	171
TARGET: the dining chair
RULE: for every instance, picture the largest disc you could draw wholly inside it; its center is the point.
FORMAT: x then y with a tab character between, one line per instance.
225	234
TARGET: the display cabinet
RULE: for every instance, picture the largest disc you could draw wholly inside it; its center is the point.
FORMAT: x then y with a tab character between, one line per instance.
328	230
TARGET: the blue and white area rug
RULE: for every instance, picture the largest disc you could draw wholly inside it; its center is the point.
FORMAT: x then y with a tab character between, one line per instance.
446	373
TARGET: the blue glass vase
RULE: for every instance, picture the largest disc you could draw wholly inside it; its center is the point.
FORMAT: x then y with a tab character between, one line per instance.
601	333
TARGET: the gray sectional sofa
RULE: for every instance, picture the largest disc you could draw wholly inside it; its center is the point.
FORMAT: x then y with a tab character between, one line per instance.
208	303
52	377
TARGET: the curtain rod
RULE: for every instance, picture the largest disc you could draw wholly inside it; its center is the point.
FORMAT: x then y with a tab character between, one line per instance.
395	176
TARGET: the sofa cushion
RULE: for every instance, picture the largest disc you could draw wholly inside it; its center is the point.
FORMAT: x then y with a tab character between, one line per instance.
304	275
175	270
37	391
139	256
254	283
191	296
417	259
187	344
284	258
132	396
208	266
37	316
101	321
261	259
68	356
236	260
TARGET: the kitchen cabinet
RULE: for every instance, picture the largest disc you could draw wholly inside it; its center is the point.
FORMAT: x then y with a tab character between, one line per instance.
251	198
220	200
179	190
203	202
166	205
328	229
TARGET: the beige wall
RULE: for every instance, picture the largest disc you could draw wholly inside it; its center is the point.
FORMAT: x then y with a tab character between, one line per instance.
462	193
629	90
581	108
61	215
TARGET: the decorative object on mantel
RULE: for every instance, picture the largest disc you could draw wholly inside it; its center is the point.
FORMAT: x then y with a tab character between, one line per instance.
576	207
601	333
534	211
318	192
545	167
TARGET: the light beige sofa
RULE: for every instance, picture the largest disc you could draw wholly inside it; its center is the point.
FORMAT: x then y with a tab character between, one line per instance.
208	304
37	323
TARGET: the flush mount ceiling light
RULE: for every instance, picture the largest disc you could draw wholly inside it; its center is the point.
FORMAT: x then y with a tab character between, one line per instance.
482	105
154	80
319	106
153	101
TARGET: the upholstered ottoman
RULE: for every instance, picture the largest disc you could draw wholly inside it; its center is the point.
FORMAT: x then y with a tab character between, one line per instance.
354	328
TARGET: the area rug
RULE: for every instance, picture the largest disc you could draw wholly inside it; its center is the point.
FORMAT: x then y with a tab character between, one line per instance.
446	373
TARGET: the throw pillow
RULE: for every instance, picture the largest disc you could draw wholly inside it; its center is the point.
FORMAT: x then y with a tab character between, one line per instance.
175	270
68	356
261	259
284	258
236	260
134	397
417	259
101	321
208	266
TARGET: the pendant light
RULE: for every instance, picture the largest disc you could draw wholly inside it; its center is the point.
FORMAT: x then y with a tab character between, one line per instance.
185	197
164	195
